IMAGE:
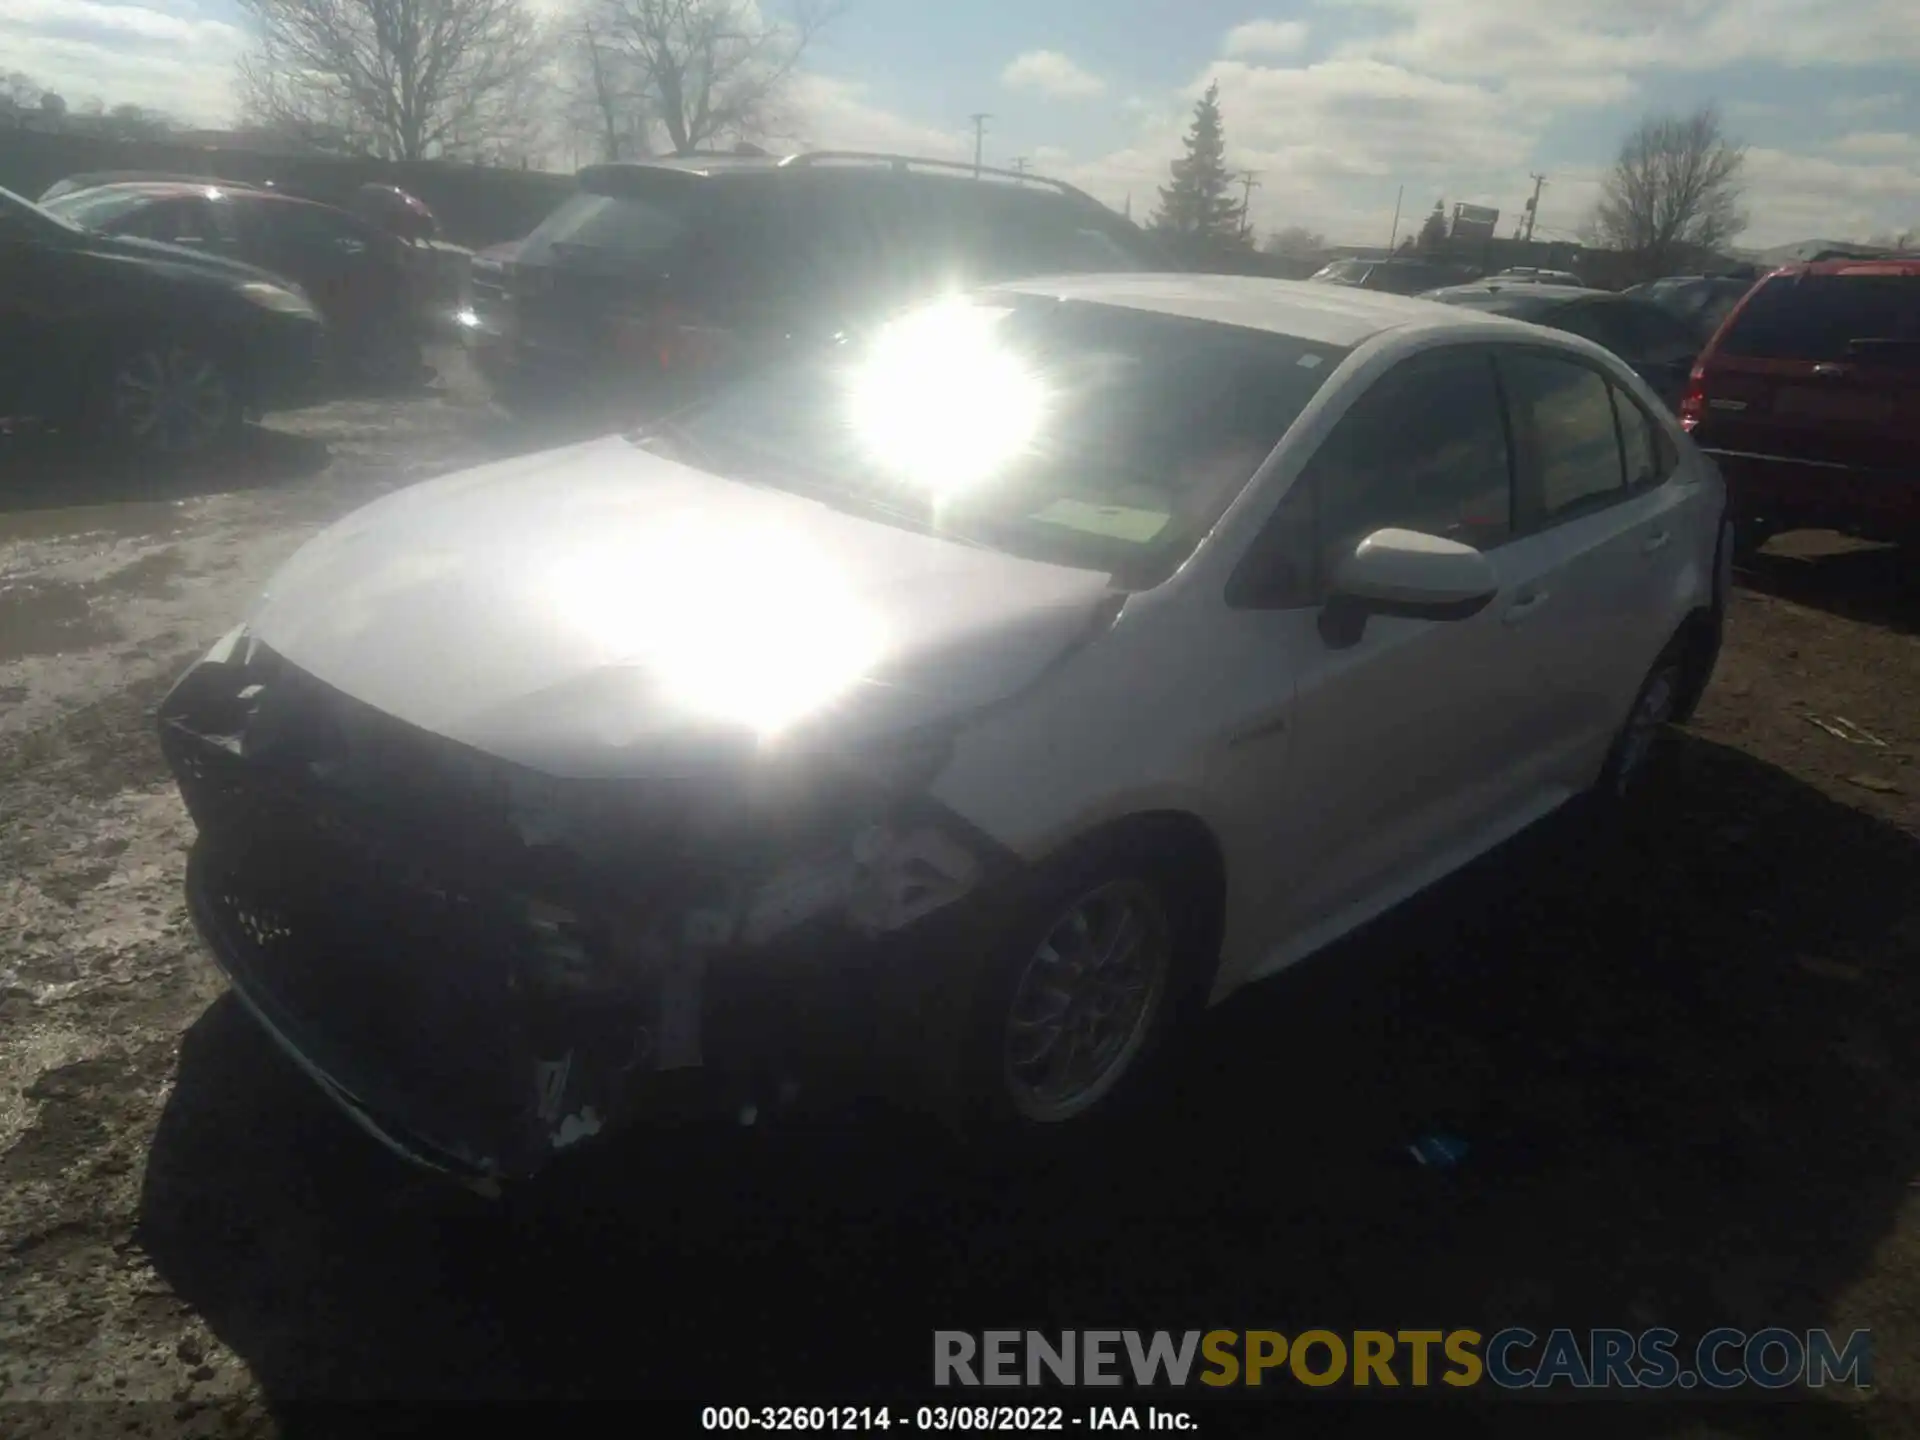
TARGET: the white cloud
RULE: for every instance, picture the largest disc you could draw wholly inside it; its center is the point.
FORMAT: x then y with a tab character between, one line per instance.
163	55
1861	107
829	114
1799	197
1514	38
1051	73
1264	37
1891	143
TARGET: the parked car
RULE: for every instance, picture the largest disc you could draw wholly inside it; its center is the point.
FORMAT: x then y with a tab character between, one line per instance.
1660	348
484	304
363	279
160	348
961	707
1533	275
1808	396
1703	302
655	280
96	179
1396	276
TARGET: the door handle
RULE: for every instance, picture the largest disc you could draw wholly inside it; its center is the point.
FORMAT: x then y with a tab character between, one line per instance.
1656	543
1524	606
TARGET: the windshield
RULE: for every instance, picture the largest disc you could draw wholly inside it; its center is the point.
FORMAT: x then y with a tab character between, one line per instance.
1084	435
93	209
1344	272
21	219
626	225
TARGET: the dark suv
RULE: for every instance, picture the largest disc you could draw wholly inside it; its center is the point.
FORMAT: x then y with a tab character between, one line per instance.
656	279
1808	397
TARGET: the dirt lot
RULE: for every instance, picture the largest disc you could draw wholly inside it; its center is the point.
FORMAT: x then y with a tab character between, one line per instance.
1684	1065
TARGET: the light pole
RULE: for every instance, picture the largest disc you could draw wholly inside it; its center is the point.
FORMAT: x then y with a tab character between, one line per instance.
979	139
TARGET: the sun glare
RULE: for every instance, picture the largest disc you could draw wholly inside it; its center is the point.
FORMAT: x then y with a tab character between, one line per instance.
738	624
941	402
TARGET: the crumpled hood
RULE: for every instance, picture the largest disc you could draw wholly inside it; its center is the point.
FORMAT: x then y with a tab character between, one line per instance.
585	610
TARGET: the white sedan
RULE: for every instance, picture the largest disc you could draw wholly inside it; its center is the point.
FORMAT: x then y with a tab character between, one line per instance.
964	707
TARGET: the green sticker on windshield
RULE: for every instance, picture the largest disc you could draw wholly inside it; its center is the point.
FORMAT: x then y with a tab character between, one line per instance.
1116	522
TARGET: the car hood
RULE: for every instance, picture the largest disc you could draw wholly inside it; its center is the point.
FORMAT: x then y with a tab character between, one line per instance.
593	610
181	259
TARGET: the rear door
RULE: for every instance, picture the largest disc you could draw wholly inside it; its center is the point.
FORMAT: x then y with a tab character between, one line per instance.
1821	367
1596	480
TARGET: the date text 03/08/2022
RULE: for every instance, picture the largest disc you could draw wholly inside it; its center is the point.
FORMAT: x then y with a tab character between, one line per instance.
954	1419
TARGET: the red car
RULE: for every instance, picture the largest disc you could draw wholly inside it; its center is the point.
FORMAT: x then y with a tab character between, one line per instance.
360	276
1808	398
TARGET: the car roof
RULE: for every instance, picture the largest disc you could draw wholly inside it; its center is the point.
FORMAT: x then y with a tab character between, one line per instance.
1322	314
172	189
1531	290
1908	265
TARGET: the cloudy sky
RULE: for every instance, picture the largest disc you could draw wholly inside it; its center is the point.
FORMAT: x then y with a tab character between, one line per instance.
1336	103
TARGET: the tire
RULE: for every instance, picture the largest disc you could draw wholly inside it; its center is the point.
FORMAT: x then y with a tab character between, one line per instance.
1656	707
1051	985
166	396
1749	536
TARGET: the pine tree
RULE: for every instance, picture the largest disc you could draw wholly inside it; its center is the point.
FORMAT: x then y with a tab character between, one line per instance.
1433	231
1197	209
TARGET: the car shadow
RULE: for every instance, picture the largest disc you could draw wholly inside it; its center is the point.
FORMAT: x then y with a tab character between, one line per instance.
1879	585
1672	1051
46	471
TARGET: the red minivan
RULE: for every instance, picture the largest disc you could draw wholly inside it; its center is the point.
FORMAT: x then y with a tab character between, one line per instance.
1808	398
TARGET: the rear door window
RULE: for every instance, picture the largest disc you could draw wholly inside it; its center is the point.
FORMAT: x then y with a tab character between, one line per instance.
1647	450
1816	317
1569	450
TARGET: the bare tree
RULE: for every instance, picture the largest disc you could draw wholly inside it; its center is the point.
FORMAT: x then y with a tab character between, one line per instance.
1675	186
603	96
709	70
402	79
136	122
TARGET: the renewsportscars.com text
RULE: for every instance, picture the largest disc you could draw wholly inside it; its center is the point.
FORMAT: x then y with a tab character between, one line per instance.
1510	1359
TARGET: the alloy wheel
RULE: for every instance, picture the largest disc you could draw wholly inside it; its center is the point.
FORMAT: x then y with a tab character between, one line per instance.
172	399
1086	1001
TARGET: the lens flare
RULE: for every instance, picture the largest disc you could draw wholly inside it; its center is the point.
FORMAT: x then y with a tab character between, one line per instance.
941	402
740	624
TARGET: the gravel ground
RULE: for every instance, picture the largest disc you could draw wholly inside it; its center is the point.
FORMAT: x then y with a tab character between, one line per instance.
1683	1061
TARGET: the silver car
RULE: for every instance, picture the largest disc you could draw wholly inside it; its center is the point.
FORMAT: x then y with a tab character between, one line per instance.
956	712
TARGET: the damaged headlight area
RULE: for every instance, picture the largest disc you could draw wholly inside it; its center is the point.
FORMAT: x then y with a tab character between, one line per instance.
486	965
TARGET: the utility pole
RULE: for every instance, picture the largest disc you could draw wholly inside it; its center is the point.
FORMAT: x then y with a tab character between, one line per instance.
1394	238
1249	182
1533	205
1020	163
979	139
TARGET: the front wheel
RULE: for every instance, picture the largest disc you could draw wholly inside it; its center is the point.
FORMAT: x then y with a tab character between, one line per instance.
1082	985
167	397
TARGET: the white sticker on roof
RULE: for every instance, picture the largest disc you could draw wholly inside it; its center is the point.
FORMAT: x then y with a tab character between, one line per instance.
1308	362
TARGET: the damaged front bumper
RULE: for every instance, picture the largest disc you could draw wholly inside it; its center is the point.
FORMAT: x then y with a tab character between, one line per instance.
482	987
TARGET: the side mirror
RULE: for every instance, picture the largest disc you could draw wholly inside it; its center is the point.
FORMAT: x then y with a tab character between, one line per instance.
1405	573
